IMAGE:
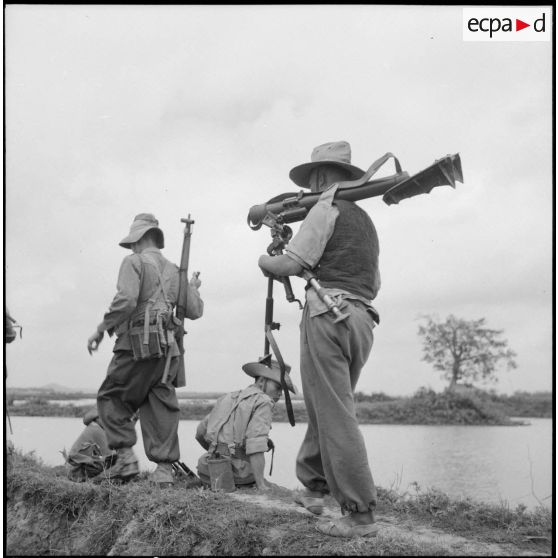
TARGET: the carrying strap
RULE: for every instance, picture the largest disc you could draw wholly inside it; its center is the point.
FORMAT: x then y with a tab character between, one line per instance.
283	369
374	167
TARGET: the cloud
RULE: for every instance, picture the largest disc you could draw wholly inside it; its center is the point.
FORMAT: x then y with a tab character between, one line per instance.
203	110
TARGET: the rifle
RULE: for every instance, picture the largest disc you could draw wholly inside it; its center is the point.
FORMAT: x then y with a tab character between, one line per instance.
180	309
182	469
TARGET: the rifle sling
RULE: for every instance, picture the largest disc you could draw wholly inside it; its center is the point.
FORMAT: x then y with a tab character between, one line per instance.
282	367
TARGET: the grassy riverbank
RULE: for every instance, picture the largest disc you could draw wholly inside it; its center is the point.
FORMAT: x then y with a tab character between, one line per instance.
49	515
469	406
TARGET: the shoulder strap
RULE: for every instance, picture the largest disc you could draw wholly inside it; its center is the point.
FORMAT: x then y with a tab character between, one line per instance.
372	171
161	286
223	421
155	296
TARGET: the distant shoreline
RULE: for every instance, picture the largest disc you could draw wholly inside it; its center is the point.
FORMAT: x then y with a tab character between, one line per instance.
465	407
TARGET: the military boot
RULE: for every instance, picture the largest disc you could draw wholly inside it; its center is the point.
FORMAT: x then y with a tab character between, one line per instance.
125	467
163	475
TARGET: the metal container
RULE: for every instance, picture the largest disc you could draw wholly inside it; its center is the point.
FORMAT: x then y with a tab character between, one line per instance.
220	473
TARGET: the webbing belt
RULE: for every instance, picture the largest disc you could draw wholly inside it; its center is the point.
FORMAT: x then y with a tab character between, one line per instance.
240	453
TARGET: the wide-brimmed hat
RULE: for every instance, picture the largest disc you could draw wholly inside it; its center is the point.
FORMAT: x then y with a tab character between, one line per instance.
336	153
140	225
273	372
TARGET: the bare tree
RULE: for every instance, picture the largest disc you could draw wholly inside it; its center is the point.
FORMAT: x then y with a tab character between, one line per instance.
464	350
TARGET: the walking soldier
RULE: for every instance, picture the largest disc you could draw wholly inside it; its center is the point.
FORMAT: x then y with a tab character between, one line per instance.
146	348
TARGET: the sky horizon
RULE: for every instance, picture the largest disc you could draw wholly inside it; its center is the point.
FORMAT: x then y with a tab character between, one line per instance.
111	111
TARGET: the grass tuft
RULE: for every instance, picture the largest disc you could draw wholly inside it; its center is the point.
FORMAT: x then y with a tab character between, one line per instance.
48	514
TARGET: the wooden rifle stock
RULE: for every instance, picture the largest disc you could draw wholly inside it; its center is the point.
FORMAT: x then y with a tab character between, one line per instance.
182	300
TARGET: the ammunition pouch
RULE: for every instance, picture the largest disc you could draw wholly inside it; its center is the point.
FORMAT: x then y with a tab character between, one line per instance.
149	338
228	450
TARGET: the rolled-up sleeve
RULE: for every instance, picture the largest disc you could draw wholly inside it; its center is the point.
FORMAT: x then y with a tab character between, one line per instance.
127	292
258	428
201	431
308	245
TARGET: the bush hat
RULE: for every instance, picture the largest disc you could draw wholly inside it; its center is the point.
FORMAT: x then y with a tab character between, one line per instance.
336	153
141	224
273	372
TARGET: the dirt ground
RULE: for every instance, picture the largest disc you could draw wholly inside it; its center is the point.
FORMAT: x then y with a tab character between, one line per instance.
46	514
395	528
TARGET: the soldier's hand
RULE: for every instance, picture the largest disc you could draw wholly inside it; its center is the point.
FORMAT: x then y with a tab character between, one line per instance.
263	263
195	280
268	274
94	341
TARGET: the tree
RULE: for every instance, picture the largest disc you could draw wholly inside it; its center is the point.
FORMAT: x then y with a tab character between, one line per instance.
464	350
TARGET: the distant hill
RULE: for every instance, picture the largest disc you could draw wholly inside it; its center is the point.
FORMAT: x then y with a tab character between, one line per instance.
50	388
62	389
53	387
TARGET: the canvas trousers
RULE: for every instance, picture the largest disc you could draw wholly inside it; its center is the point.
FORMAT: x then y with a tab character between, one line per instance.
131	385
332	457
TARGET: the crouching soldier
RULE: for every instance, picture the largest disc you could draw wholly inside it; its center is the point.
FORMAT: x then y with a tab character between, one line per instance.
238	426
90	454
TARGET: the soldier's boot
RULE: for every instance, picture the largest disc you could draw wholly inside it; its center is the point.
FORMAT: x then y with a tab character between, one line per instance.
163	475
312	501
124	469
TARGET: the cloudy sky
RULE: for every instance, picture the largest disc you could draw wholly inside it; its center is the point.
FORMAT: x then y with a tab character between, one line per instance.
111	111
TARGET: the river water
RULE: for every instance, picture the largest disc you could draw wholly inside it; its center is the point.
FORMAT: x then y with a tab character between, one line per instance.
511	464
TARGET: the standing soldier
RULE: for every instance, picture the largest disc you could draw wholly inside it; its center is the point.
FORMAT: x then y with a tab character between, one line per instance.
338	244
10	327
147	364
